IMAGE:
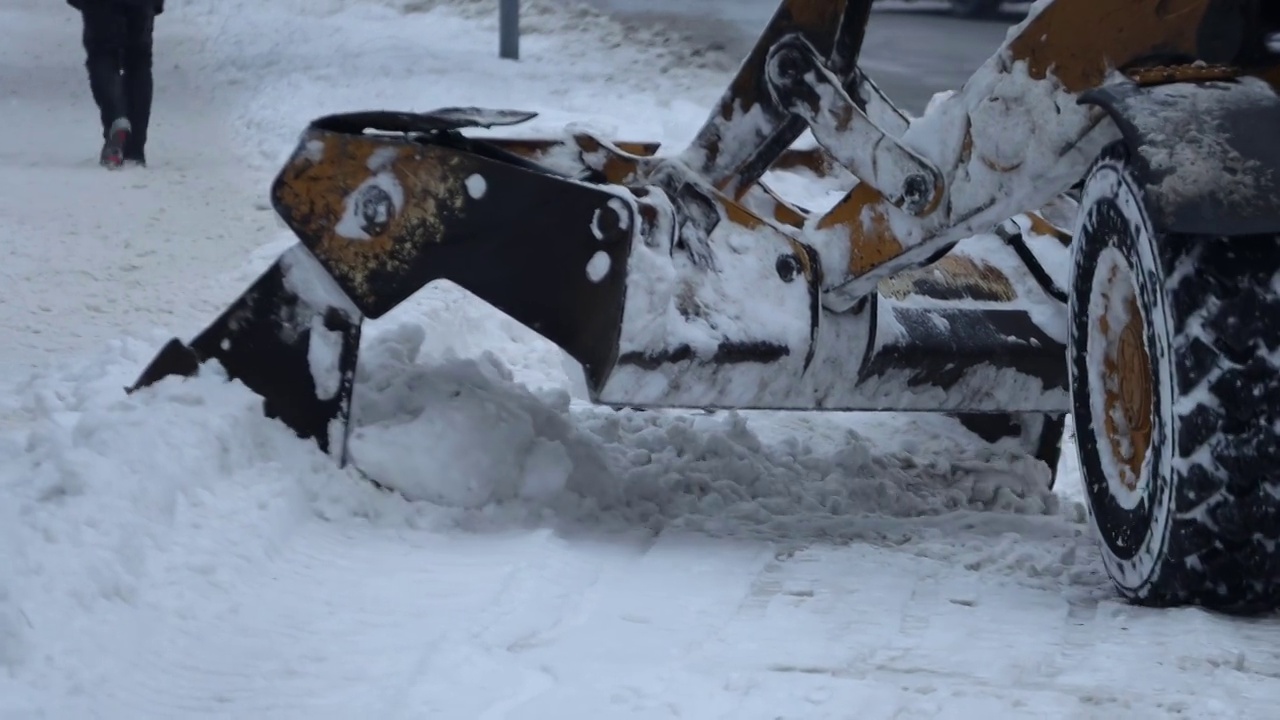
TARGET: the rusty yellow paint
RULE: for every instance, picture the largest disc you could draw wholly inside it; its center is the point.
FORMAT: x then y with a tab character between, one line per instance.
992	164
815	160
744	218
1165	74
784	212
1272	76
1081	41
828	26
1127	394
761	196
938	190
644	149
815	20
1040	226
315	188
967	275
618	167
801	253
863	215
966	146
739	215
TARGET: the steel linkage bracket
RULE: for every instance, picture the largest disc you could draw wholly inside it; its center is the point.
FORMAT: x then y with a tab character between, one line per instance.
799	82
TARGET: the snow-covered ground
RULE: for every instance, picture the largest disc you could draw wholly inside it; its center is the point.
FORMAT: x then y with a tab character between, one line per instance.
173	554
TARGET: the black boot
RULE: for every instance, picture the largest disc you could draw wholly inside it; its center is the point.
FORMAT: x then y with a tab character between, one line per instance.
113	149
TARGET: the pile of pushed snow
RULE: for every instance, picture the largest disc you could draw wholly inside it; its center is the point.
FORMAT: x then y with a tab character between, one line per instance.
458	404
462	432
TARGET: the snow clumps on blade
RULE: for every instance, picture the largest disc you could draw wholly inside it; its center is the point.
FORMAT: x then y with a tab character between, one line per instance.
463	433
716	474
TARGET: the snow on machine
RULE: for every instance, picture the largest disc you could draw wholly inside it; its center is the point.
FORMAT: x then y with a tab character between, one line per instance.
1089	226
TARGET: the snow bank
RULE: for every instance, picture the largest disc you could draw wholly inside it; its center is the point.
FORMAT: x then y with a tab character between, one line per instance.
464	433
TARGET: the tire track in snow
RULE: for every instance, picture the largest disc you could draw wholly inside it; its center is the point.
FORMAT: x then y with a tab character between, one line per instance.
1077	639
914	620
764	588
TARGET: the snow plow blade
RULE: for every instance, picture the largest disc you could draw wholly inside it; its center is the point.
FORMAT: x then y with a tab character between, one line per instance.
386	213
379	217
288	340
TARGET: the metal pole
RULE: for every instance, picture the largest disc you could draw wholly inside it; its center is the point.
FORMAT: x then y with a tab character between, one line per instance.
509	29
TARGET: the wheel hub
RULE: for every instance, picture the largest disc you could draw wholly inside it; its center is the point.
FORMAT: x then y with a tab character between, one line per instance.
1127	386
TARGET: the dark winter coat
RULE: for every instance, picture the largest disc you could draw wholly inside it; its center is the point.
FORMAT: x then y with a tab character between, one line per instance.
157	4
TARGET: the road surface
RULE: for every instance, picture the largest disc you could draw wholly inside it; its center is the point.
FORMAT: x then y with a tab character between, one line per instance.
912	50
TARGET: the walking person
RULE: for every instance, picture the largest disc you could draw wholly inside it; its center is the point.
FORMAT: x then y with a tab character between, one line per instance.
117	44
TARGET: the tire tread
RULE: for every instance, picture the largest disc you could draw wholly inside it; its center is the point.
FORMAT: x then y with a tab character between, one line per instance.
1224	553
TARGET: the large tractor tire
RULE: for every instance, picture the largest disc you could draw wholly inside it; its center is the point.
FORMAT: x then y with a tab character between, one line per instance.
1175	385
